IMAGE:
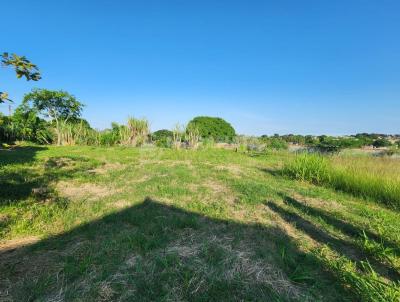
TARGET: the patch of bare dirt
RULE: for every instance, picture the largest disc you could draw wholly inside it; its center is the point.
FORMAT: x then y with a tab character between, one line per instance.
142	179
107	167
167	162
10	245
120	204
83	191
59	162
106	292
4	218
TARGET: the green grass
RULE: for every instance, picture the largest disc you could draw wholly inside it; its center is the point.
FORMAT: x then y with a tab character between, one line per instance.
367	177
150	224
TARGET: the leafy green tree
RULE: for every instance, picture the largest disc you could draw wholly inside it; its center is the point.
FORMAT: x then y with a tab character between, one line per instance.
381	142
30	127
213	127
6	129
162	138
23	68
59	106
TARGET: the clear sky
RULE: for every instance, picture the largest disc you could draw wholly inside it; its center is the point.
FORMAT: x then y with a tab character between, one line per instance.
308	67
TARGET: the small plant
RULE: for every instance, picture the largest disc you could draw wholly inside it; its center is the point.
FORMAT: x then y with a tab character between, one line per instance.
177	135
192	135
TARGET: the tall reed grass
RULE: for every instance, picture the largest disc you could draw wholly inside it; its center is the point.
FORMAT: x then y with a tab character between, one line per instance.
372	178
76	134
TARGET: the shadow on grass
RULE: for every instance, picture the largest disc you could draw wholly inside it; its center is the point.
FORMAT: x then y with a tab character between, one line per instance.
273	172
349	249
19	155
22	177
153	252
344	227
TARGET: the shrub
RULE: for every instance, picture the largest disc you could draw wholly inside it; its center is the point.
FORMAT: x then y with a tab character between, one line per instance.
162	138
277	144
213	127
381	142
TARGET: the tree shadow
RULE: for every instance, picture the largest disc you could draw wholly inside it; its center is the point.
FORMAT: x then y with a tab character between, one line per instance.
31	179
19	155
154	252
345	227
343	247
273	172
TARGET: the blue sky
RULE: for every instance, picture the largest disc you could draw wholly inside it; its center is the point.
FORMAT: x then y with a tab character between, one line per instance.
308	67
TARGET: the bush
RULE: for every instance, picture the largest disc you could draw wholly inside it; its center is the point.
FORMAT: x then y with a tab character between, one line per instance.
162	138
25	125
277	144
213	127
381	142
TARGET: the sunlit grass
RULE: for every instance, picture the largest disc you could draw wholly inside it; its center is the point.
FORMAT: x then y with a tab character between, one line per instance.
368	177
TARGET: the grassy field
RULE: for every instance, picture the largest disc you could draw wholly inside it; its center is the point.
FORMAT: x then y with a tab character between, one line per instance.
107	224
376	178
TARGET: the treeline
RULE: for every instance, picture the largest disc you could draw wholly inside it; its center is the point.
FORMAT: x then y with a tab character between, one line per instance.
54	117
336	143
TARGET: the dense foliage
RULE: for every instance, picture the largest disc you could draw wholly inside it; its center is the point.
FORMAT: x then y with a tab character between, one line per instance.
162	138
58	106
213	127
326	143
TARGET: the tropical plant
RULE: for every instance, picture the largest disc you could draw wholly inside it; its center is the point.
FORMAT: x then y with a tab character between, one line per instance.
192	136
29	126
177	134
139	131
59	106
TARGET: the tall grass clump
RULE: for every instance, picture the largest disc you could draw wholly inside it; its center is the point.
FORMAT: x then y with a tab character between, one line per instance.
76	134
309	167
192	136
135	133
177	135
357	176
